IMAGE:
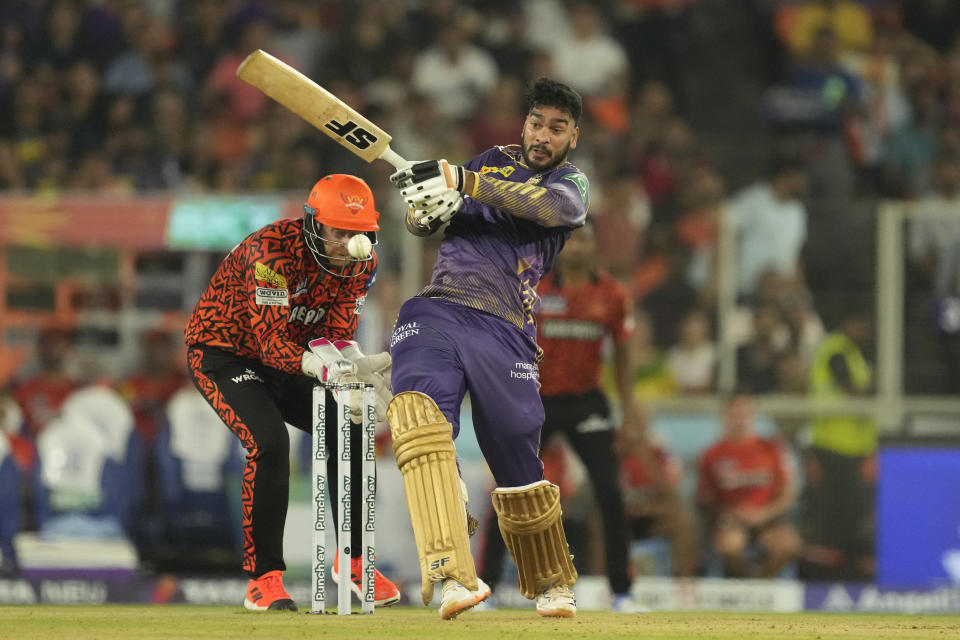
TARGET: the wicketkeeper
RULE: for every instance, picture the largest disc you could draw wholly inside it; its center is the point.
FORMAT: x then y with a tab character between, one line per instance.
279	314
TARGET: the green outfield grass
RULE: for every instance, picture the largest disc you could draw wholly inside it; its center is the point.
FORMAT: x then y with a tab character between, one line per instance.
144	622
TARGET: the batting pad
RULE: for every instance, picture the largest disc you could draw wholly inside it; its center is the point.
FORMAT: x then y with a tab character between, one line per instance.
530	523
423	447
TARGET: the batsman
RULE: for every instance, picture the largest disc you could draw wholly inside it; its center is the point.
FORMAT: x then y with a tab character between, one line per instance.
279	315
473	329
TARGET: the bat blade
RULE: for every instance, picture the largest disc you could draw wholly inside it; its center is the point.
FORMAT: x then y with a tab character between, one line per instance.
319	107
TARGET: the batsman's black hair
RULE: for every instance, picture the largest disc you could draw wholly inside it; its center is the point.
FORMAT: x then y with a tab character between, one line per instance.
544	92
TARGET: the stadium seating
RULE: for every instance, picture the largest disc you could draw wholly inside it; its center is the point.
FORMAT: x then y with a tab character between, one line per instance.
197	461
9	503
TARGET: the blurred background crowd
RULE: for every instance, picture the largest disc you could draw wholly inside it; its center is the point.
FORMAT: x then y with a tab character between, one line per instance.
792	118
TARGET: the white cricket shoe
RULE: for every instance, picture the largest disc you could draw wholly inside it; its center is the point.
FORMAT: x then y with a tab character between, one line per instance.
456	598
557	602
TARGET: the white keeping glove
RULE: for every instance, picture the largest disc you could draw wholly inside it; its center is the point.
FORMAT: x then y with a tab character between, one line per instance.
373	369
365	365
344	358
324	362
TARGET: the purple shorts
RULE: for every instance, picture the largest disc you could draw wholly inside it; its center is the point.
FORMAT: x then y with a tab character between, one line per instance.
445	349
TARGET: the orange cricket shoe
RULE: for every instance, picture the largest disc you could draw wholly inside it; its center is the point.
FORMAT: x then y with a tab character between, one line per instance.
267	592
385	593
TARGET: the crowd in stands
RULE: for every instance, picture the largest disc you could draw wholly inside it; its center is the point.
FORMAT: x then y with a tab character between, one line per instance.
860	100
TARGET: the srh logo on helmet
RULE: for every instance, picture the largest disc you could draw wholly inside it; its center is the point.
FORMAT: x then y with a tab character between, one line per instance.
353	202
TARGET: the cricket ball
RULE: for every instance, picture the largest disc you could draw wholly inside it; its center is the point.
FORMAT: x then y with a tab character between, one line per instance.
359	246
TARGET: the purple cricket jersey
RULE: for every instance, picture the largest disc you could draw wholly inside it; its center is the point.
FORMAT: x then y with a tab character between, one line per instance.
492	260
473	328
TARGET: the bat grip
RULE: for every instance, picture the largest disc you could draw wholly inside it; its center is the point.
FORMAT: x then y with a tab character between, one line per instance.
394	158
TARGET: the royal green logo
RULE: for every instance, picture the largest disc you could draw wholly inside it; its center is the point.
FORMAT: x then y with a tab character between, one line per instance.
582	185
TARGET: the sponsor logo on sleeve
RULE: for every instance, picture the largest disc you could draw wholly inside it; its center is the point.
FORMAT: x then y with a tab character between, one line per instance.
504	171
273	297
264	273
582	185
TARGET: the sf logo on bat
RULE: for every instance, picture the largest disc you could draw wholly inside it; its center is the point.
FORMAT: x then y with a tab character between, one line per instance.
349	131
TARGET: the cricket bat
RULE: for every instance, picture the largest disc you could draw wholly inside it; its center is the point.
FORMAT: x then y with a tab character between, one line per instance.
319	107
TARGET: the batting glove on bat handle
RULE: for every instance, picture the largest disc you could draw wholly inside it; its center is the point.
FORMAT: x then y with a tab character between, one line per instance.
428	176
432	214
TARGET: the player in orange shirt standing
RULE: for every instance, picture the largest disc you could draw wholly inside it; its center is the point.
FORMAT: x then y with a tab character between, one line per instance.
581	307
281	312
745	489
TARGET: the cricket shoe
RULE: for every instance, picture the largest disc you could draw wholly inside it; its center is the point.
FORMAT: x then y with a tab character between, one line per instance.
267	593
385	593
557	602
456	598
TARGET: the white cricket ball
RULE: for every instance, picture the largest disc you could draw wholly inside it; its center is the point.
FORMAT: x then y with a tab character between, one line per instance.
359	246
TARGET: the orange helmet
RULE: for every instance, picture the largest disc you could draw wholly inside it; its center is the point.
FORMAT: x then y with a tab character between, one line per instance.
339	201
343	202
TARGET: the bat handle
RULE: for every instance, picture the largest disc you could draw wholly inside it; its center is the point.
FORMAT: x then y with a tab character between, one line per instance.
394	158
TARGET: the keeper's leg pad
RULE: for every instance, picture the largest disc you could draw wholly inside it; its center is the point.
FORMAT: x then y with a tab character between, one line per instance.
423	447
529	518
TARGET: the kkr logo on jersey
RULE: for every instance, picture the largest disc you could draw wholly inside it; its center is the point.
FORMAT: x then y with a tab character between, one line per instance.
306	315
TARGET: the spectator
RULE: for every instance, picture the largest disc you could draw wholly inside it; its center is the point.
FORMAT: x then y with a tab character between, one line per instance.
658	38
770	223
497	120
693	360
652	378
454	74
745	491
757	360
41	394
846	18
837	498
591	62
650	478
298	34
912	148
506	38
148	60
930	240
160	374
620	216
364	45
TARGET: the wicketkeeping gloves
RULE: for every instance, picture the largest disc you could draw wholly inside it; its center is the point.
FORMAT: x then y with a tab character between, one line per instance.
333	361
324	362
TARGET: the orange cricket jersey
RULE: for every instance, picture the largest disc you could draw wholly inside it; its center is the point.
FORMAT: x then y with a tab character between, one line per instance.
751	472
571	327
269	298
